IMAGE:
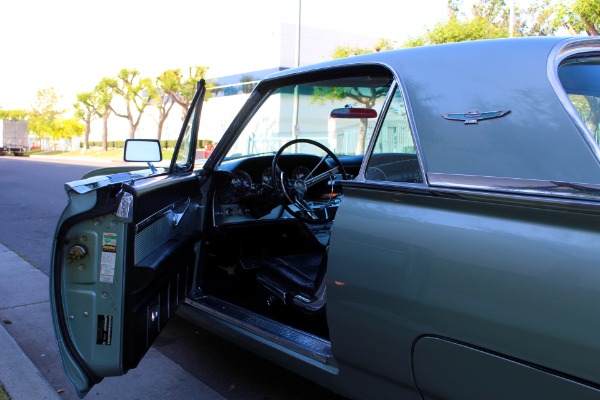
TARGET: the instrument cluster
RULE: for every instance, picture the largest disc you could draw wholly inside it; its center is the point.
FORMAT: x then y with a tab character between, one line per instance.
243	185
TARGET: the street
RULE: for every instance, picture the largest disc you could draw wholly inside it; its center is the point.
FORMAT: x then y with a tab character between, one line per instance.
31	199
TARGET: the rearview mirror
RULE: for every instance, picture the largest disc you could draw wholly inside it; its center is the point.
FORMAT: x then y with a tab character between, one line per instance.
351	112
142	150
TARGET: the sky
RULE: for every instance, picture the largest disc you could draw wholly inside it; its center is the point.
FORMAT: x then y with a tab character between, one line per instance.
70	45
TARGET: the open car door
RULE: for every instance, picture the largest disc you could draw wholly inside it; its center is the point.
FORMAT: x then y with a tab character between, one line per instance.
123	260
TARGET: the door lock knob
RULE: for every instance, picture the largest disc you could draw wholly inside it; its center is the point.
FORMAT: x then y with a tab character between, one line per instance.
77	252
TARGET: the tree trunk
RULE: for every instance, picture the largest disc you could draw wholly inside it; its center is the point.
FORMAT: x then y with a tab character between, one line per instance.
593	118
590	28
184	111
86	135
105	132
161	122
362	136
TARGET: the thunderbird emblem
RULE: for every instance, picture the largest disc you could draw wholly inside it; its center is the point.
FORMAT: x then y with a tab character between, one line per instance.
474	116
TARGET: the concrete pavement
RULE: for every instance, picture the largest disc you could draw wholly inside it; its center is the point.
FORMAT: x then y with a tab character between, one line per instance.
25	322
20	378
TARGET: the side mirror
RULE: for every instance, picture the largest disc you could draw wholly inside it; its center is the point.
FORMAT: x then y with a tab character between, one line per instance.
142	150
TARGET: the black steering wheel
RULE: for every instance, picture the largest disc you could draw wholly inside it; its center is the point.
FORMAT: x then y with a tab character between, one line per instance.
291	191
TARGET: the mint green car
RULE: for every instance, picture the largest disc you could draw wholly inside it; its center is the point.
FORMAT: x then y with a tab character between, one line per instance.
412	224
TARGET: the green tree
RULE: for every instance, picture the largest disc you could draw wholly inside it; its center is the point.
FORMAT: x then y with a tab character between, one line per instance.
455	30
67	129
181	87
363	96
347	51
580	16
589	13
539	18
247	85
45	114
163	102
490	19
20	115
137	94
103	94
367	99
86	109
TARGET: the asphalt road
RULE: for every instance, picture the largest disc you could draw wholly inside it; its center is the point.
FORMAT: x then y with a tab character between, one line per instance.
32	198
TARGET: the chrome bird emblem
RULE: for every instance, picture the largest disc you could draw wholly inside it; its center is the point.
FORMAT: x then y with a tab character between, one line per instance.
474	116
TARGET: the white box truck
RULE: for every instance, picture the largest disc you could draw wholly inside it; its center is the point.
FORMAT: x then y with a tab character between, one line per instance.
13	137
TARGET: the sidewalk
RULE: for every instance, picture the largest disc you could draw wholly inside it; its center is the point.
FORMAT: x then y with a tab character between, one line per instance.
26	327
20	378
21	286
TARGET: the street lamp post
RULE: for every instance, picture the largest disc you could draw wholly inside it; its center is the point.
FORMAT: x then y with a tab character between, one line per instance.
295	127
298	33
511	23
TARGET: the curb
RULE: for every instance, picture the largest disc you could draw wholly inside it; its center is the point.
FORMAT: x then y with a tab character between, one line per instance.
19	377
24	300
58	157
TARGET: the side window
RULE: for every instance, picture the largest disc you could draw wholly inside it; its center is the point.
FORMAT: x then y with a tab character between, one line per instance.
185	150
580	78
394	156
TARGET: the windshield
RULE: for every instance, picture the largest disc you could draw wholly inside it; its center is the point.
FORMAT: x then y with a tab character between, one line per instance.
303	111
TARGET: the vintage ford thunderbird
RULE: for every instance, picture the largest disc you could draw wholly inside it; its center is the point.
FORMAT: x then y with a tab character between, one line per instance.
412	224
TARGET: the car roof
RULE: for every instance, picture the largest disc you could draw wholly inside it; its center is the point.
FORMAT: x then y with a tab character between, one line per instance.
518	76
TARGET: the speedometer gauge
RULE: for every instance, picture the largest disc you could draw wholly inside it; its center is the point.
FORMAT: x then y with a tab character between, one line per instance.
241	183
300	173
267	177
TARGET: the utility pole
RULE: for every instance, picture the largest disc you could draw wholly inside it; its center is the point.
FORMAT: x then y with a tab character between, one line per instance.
295	127
298	33
511	24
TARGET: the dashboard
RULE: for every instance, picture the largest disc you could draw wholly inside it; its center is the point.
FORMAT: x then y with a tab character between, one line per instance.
245	191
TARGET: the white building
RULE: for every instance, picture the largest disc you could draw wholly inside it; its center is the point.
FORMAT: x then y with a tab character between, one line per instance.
316	45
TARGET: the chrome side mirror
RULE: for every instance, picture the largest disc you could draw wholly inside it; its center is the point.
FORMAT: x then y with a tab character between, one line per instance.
143	150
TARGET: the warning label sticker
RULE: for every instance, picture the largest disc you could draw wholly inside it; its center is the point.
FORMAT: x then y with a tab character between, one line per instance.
109	242
105	328
108	259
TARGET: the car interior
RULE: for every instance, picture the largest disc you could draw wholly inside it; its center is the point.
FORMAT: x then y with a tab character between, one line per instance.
272	205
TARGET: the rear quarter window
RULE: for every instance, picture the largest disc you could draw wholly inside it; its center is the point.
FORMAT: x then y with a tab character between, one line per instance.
580	78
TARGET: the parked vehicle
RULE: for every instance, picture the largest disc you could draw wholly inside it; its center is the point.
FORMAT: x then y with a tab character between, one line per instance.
14	136
412	224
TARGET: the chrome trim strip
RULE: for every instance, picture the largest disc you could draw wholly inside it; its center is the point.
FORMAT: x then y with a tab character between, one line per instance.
301	342
398	85
561	52
396	191
171	208
578	191
95	182
413	127
389	97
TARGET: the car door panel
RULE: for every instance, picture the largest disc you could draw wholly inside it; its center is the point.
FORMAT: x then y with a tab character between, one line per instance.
103	289
163	235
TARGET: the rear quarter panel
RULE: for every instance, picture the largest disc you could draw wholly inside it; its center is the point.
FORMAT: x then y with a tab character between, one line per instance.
519	279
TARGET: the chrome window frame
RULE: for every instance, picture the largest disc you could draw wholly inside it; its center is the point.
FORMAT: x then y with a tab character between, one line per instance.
397	85
562	52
